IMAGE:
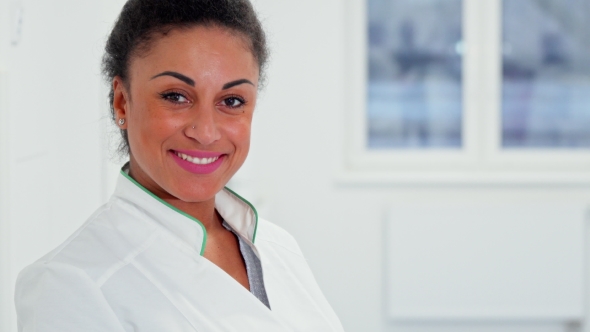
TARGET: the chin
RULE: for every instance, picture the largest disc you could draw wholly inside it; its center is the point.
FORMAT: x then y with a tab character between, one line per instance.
197	192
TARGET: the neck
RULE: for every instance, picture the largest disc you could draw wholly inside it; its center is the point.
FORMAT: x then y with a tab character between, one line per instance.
203	211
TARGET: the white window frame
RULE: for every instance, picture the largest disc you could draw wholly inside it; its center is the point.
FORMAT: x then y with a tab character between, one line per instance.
481	158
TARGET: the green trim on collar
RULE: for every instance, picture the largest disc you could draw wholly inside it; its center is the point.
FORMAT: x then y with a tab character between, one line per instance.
253	209
175	209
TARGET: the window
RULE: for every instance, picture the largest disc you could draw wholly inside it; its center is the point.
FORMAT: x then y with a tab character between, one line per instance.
469	90
546	74
415	74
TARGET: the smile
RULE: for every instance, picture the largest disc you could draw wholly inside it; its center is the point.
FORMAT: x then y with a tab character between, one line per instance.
195	160
198	162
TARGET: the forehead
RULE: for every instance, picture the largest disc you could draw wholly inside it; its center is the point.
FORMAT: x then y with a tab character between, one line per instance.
196	51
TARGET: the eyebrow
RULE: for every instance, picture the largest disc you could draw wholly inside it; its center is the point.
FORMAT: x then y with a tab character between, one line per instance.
179	76
191	82
234	83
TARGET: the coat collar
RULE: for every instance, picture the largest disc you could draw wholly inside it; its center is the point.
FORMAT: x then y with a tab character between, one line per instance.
234	209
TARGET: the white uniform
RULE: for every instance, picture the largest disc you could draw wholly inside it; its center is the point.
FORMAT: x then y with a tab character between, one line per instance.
137	265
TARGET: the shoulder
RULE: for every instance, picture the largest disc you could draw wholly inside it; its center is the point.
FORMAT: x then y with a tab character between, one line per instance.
99	245
53	296
43	278
63	289
271	234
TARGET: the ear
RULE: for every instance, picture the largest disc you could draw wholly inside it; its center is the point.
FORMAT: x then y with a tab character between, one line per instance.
120	102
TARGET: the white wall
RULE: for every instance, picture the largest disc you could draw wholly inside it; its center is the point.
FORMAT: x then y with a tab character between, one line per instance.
59	173
297	148
5	303
55	106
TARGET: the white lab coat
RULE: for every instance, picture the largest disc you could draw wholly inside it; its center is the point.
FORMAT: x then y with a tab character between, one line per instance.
137	265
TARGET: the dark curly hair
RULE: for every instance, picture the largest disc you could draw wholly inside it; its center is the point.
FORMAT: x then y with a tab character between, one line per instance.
141	21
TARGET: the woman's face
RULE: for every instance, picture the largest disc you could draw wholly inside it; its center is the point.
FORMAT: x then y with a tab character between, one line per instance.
188	111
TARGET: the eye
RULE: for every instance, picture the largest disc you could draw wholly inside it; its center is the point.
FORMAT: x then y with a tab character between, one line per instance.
233	102
174	97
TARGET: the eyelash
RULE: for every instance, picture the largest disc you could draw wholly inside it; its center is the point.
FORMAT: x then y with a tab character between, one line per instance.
238	98
169	94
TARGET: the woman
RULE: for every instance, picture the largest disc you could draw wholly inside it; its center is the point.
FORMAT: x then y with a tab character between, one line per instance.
173	250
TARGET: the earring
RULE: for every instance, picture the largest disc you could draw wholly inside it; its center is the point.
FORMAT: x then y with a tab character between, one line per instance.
121	121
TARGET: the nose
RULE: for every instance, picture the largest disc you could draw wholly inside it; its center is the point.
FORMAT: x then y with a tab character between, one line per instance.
203	126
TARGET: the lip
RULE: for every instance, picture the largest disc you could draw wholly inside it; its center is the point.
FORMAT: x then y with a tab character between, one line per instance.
196	168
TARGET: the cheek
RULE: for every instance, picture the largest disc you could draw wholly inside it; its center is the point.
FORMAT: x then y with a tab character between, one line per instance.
239	133
154	125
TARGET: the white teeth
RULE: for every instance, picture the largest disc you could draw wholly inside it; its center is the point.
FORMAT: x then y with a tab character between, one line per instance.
195	160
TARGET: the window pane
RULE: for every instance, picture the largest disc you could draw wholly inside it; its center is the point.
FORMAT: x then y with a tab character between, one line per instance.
415	74
546	73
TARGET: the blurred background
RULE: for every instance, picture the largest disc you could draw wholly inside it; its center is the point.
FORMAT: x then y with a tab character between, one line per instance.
431	157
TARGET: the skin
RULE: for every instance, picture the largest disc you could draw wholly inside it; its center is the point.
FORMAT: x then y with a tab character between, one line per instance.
160	111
